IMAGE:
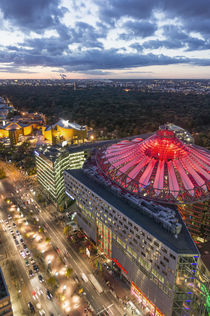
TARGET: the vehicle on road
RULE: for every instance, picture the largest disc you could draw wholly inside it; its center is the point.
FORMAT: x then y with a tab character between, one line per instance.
49	295
84	277
22	253
36	269
31	274
40	278
31	307
26	263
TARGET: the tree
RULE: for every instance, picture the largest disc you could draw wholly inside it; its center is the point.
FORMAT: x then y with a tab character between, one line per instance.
52	281
66	230
47	239
2	173
69	272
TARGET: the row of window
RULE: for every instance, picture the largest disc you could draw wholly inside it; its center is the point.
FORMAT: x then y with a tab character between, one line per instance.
115	221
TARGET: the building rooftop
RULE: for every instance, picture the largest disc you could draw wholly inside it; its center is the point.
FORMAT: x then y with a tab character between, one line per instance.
66	124
3	287
161	167
182	244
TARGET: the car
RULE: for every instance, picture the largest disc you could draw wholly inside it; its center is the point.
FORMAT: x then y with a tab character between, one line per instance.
40	278
22	253
24	246
31	307
14	237
36	269
41	312
26	263
31	274
49	295
22	241
32	261
6	221
27	252
14	225
17	243
9	217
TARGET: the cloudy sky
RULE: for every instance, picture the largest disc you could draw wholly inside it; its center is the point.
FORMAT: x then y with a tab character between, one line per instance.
105	38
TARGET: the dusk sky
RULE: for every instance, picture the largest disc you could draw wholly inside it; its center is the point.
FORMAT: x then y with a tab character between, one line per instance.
105	39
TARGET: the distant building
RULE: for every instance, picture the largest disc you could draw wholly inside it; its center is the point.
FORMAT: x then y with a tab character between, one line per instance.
180	132
65	131
13	130
5	303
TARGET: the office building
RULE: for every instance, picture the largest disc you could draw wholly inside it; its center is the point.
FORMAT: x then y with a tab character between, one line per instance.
5	303
51	161
148	243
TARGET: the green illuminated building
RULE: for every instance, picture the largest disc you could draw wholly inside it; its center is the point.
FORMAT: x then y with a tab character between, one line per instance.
51	161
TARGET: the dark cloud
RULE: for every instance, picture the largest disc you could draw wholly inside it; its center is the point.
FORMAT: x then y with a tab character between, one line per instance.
83	34
177	38
137	29
169	44
112	10
137	47
194	14
93	59
35	15
52	46
87	35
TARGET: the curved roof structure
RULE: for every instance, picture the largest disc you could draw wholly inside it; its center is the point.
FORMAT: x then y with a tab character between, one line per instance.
161	168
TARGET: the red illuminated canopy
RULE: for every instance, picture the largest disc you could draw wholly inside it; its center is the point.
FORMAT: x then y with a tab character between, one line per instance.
161	168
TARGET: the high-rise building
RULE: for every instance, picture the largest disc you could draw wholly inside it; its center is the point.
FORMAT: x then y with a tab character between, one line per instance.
5	303
148	243
51	161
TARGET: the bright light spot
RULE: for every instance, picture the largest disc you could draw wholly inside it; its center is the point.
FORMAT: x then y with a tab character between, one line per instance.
75	299
68	309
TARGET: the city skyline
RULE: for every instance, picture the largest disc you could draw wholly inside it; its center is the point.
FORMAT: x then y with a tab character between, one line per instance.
115	39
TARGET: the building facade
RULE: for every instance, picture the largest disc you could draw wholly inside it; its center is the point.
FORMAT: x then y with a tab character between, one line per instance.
51	161
65	131
5	303
157	259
